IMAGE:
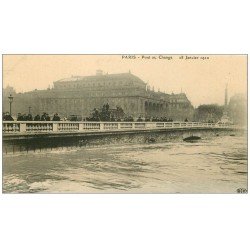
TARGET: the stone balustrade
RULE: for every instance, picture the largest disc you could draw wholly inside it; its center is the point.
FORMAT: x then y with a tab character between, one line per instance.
34	127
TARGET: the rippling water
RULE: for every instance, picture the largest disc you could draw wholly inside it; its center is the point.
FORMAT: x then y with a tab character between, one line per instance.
212	165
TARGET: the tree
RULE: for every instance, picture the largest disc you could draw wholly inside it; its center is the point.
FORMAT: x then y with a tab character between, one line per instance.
208	112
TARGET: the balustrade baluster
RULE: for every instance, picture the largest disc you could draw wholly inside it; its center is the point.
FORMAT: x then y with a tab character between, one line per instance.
30	127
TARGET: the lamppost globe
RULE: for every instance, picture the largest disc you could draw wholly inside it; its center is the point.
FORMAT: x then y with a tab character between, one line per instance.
11	98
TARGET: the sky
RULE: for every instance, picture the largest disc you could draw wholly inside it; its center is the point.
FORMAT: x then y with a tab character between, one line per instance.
202	77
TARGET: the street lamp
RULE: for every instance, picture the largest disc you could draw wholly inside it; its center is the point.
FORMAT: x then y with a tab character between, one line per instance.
10	101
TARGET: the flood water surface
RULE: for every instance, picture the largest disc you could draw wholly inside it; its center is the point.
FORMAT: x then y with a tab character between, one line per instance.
211	165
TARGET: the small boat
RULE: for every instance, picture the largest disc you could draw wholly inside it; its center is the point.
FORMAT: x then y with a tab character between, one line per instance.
191	138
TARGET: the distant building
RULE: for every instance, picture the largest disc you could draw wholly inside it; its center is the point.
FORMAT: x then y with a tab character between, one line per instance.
237	109
79	95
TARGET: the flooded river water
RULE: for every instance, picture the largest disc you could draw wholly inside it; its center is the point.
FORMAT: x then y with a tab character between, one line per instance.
211	165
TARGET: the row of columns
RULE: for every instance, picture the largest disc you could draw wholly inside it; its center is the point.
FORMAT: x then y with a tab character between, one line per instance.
155	109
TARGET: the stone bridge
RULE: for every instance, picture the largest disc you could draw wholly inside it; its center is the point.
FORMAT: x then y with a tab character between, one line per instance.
36	135
15	129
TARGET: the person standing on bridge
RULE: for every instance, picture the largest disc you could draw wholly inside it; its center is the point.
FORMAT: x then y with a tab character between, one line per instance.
7	117
56	117
29	117
37	118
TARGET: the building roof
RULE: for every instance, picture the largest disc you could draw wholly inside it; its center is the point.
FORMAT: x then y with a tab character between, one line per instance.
120	76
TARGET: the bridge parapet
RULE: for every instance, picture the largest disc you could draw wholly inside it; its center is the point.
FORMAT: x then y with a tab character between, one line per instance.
34	127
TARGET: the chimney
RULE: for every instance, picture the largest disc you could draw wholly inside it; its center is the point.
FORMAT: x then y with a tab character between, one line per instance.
226	97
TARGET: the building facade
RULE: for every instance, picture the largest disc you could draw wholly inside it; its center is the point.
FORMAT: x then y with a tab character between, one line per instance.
79	95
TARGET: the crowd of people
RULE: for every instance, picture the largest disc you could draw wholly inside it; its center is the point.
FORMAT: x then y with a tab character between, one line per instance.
43	117
104	114
118	115
95	117
29	117
158	119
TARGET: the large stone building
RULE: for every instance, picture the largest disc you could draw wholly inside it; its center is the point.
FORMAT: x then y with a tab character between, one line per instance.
79	95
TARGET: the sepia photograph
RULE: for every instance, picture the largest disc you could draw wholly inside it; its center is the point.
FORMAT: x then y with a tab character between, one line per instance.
124	125
172	124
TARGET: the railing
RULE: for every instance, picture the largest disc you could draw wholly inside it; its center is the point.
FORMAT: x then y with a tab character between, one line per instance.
34	127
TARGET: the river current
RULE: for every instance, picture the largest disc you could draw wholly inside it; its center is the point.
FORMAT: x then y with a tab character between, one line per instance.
211	165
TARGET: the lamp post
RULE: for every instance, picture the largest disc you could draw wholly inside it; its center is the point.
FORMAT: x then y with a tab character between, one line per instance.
10	101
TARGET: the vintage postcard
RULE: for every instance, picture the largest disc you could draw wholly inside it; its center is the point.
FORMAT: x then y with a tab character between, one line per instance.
124	124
